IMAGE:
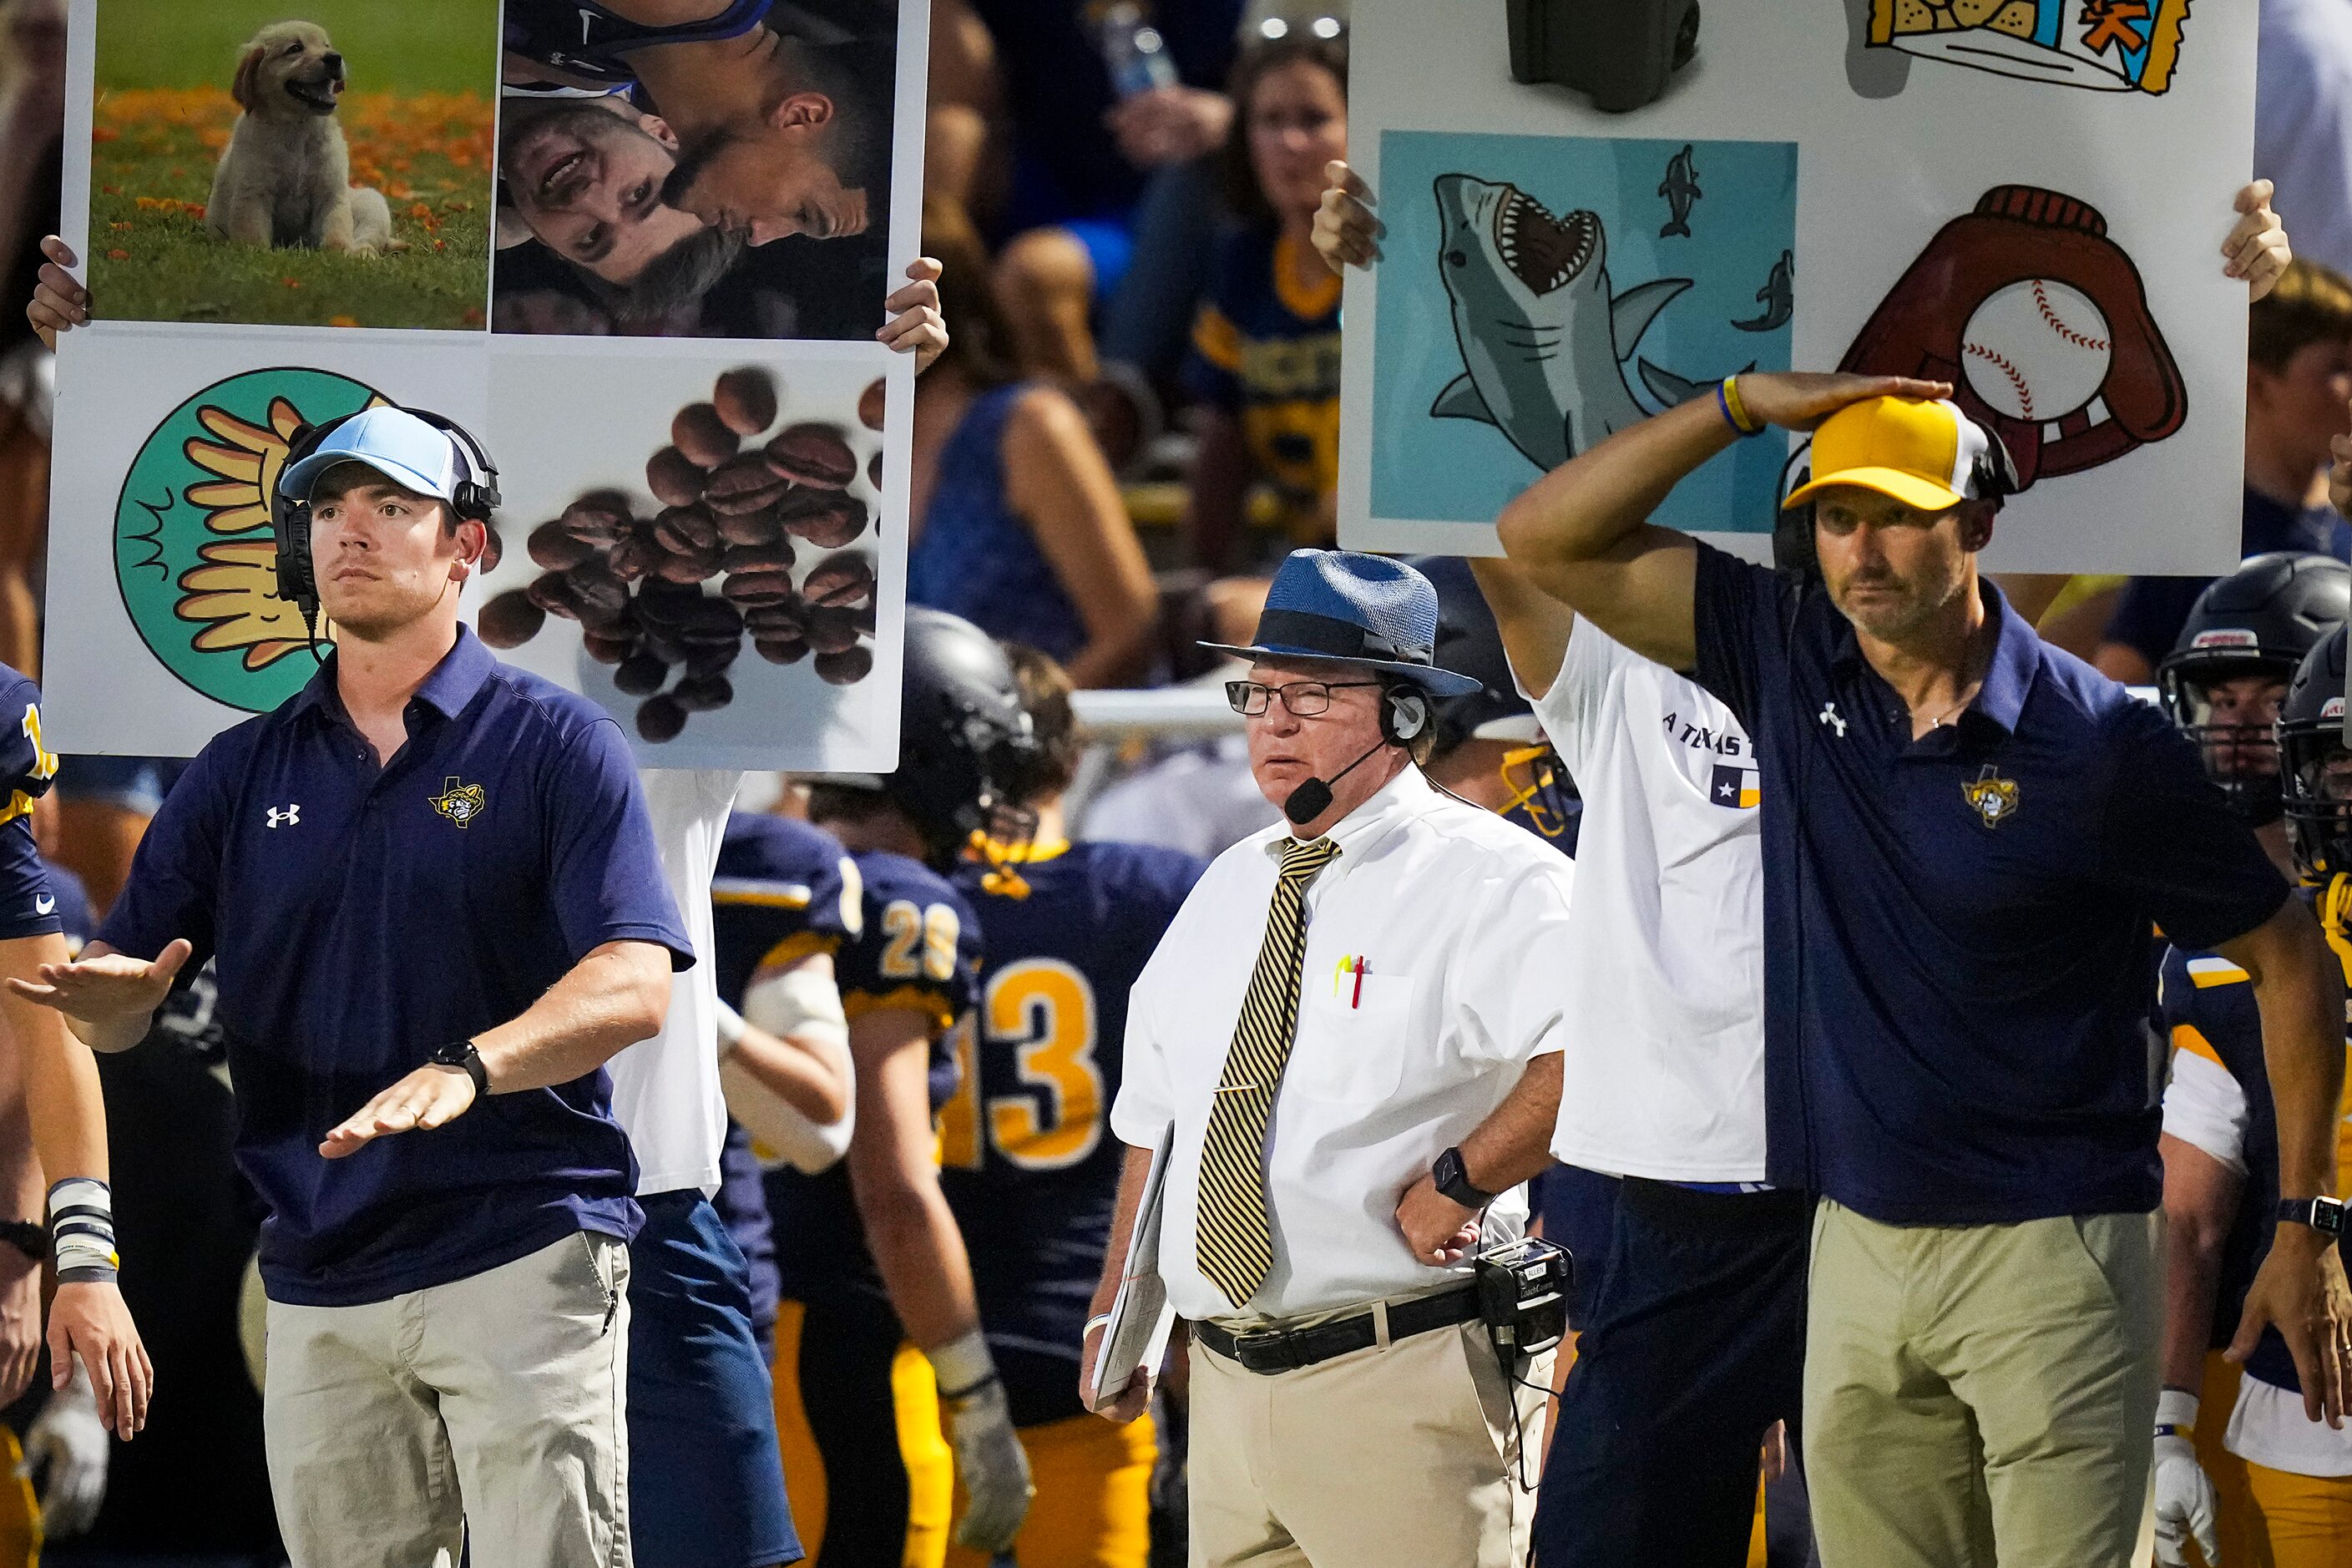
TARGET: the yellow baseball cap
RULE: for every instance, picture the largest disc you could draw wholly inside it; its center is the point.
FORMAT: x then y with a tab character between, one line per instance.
1925	455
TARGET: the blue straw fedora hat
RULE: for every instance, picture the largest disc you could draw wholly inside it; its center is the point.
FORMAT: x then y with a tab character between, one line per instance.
1364	610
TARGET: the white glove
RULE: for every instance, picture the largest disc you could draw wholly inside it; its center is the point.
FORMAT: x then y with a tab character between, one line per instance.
989	1457
68	1441
2184	1494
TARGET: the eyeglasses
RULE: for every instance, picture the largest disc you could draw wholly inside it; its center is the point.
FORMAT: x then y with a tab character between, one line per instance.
1305	699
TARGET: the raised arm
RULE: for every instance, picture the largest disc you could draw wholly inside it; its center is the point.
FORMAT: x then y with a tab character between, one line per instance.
1583	531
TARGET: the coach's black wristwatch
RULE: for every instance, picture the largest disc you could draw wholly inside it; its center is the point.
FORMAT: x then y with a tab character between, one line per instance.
2325	1216
1449	1176
462	1054
28	1236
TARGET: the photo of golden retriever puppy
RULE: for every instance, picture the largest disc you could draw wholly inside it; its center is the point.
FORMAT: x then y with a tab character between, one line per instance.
284	178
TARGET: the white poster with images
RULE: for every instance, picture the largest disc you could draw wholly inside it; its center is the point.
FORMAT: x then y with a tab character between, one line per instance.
2025	198
653	301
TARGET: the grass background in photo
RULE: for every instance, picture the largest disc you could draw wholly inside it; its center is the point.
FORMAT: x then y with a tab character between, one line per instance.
417	115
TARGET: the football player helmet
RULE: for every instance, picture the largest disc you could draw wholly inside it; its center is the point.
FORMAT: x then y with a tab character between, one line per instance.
2248	632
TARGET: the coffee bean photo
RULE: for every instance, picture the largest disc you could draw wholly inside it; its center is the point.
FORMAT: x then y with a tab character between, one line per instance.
847	666
841	581
641	674
509	620
555	547
780	650
830	631
607	649
675	478
703	513
827	519
755	528
776	555
552	593
703	693
702	436
660	719
746	400
812	455
744	484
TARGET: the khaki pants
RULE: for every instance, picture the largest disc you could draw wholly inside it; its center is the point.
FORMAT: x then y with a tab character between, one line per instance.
1981	1394
1402	1456
488	1410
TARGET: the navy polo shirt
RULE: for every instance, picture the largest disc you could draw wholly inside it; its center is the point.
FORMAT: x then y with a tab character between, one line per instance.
1957	949
361	917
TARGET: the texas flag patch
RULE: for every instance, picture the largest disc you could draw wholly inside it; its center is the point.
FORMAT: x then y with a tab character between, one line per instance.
1741	788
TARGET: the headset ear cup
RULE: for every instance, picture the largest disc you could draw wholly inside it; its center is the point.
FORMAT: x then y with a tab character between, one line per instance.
1408	716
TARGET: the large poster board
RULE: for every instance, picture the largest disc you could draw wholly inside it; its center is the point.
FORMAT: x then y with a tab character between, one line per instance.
646	276
2025	197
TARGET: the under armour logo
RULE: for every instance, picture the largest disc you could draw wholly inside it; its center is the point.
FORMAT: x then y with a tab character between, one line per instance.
291	816
1829	715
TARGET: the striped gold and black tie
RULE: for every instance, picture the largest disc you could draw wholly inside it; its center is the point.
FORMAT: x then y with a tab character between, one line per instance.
1231	1242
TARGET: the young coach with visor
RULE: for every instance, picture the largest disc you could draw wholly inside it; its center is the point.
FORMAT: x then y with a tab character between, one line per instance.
433	898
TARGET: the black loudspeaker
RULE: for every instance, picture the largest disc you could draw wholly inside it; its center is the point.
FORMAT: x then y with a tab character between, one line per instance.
1620	53
477	500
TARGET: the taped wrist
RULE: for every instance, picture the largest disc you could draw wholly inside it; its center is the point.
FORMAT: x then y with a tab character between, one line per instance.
81	1231
799	1004
2176	1413
963	1366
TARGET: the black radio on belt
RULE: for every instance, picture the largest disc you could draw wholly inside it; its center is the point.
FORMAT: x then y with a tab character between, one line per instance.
1523	1294
1621	52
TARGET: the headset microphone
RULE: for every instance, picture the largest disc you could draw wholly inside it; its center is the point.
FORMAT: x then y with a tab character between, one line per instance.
1313	798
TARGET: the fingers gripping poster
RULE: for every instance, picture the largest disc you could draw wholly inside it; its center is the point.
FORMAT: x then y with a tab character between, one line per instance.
2025	198
657	317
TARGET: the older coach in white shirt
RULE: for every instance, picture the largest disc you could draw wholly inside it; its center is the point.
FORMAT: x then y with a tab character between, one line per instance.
1344	1027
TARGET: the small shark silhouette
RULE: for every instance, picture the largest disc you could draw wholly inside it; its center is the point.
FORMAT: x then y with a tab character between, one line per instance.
1544	338
1779	298
1681	190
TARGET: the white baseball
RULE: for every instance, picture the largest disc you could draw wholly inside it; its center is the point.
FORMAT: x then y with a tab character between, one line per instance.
2036	351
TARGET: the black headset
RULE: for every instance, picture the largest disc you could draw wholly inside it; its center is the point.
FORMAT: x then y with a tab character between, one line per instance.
477	498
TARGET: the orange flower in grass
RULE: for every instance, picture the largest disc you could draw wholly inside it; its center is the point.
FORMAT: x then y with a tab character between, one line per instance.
236	590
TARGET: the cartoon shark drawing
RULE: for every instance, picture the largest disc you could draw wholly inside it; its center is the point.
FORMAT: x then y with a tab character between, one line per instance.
1779	298
1681	190
1544	339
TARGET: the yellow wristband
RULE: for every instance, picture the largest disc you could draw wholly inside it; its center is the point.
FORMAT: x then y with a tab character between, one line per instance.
1745	422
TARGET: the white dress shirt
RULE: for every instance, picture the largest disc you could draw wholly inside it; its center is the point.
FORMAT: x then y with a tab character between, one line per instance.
666	1091
1450	908
1663	1075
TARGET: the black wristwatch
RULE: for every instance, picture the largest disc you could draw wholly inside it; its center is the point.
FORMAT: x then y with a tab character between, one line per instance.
462	1054
2325	1216
28	1236
1449	1176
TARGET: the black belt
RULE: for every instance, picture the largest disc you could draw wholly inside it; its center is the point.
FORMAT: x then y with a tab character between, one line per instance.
1270	1351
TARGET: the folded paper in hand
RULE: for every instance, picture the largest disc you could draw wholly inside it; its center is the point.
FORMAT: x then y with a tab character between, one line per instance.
1140	1317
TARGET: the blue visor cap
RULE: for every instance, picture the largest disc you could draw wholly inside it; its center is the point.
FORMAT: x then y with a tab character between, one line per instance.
394	443
1351	608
